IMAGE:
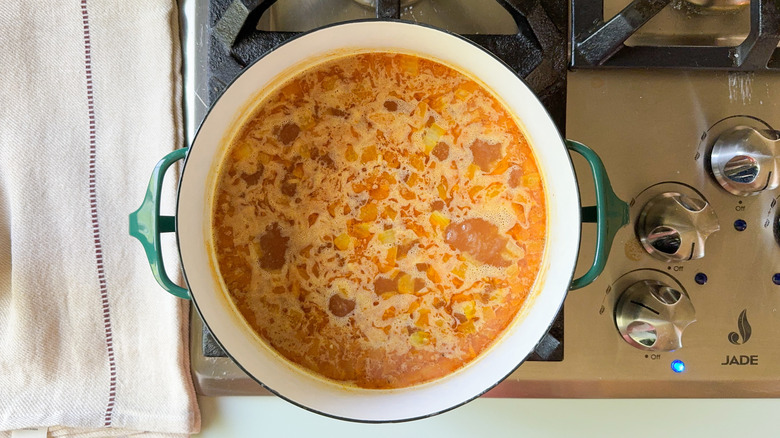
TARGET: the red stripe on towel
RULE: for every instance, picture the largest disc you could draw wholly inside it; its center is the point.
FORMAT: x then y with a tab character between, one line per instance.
107	416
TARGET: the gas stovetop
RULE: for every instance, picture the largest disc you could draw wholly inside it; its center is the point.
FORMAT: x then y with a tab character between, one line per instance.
686	306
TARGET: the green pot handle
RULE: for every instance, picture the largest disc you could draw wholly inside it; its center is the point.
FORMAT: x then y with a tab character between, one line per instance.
610	213
146	224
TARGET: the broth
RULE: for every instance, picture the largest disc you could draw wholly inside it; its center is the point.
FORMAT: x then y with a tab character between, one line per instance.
379	220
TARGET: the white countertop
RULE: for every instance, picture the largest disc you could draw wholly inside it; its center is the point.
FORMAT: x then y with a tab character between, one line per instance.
271	416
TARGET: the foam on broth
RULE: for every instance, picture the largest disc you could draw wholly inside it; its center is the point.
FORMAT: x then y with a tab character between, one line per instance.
379	219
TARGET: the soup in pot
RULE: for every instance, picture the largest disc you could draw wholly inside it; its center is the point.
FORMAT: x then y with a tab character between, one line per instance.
379	219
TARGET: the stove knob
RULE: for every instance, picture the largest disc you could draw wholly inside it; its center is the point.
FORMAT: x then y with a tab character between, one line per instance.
673	226
652	316
746	161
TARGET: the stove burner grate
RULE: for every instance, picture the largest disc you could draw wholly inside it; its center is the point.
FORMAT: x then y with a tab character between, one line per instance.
597	43
536	53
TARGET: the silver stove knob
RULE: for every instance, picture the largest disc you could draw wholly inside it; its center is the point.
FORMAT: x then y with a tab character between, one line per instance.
746	161
673	226
652	316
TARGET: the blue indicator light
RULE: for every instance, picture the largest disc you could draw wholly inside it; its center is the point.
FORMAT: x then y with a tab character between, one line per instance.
740	225
700	278
776	279
678	366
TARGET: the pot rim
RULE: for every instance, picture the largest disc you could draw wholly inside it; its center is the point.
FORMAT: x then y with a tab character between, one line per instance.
543	113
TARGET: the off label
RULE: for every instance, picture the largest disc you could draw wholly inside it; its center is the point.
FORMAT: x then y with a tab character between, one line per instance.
654	356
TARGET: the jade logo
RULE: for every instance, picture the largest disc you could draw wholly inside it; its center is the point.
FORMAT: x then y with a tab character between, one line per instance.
744	330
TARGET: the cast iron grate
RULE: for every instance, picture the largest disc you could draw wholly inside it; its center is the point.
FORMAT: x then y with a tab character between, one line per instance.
597	43
537	53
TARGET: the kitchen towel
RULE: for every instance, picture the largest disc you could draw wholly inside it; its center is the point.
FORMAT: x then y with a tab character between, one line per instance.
90	345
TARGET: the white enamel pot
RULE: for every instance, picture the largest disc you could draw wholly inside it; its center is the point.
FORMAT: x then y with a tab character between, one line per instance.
192	224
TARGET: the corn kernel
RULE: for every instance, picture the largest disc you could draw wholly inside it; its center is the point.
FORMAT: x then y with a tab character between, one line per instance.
298	170
470	309
530	180
420	338
471	171
405	284
242	151
439	220
442	188
342	241
387	236
431	137
387	295
460	270
350	154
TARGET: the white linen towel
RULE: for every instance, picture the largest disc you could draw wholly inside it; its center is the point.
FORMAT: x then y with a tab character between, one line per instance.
90	345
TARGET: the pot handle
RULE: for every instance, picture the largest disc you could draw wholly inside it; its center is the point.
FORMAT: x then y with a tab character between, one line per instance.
146	224
610	213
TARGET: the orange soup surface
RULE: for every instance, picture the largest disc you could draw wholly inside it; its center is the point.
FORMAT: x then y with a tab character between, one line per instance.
379	220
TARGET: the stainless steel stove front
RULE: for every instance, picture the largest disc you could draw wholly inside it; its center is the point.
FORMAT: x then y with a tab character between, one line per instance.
653	129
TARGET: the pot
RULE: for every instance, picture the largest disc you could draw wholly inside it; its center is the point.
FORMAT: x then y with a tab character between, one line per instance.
192	225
